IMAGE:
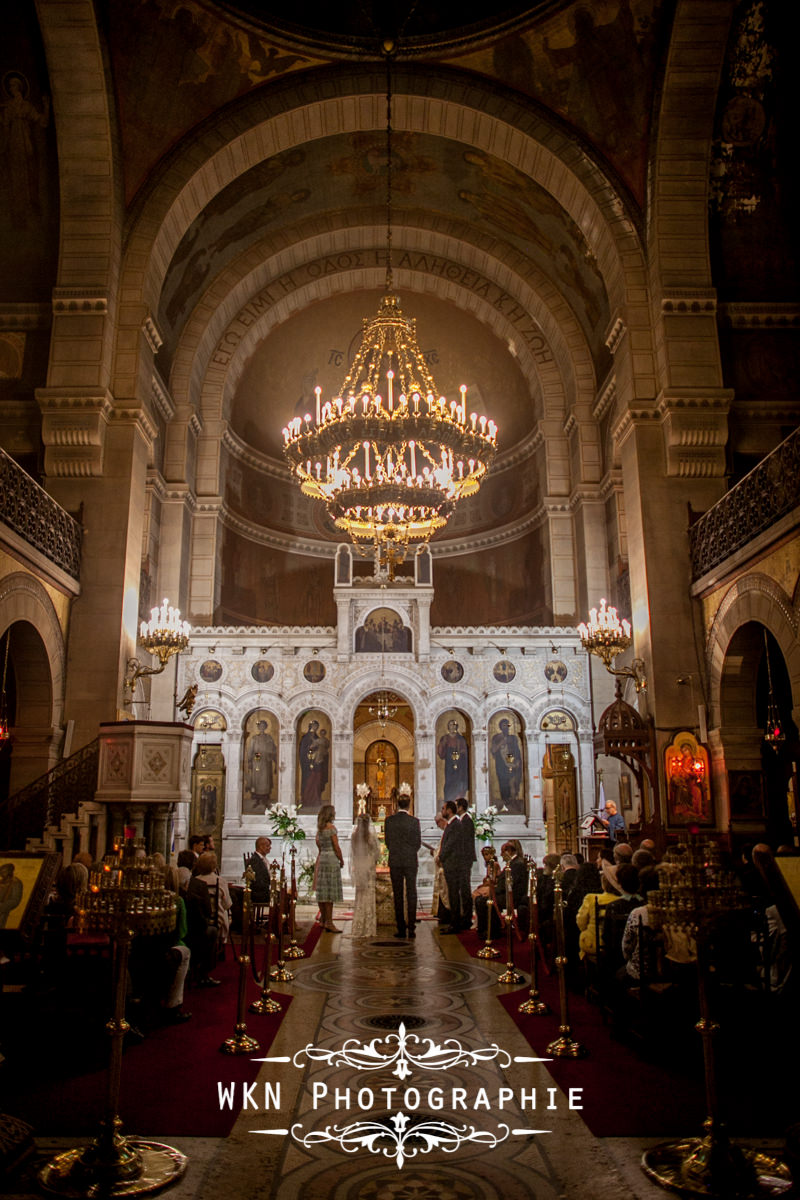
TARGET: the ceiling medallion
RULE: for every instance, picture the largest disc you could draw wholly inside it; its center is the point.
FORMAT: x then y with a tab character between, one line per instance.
388	456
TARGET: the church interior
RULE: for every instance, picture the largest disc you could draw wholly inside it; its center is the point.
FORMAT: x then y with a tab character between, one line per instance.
397	406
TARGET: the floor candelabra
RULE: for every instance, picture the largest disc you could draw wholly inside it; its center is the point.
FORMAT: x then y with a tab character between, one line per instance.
126	898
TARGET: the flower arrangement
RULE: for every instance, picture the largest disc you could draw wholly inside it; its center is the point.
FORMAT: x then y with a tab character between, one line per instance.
485	822
285	822
305	879
362	790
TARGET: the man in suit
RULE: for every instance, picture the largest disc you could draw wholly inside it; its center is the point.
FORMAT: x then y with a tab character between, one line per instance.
403	840
468	857
450	858
259	888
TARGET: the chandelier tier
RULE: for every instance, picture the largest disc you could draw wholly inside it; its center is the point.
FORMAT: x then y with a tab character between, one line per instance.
388	456
390	462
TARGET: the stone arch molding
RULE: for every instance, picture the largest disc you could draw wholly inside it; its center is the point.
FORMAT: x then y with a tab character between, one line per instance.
754	597
23	598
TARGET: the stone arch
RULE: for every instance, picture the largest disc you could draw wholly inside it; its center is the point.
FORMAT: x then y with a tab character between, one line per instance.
267	124
37	654
756	598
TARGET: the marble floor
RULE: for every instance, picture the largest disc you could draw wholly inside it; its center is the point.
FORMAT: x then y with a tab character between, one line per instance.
485	1141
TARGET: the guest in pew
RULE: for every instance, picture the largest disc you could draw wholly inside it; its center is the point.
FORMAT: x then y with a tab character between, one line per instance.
202	936
205	869
185	865
638	918
591	914
616	916
259	864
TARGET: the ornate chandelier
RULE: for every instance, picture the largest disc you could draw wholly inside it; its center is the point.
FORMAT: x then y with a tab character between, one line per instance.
389	456
606	636
164	635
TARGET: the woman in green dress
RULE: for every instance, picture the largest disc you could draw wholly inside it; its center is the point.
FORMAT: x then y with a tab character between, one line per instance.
328	874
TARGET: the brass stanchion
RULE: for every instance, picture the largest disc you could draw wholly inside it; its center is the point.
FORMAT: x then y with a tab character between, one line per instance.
281	973
693	893
534	1006
564	1046
488	950
266	1002
125	898
511	974
293	951
241	1042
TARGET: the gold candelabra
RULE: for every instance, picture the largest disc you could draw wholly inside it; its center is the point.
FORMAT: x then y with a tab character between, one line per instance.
564	1045
694	895
606	636
534	1006
125	898
164	635
241	1042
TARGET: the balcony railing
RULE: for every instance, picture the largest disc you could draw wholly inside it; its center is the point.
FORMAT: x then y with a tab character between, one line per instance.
34	515
767	493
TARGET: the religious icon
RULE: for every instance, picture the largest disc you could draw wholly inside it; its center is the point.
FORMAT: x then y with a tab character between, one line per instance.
383	632
504	671
555	671
506	776
260	762
314	755
452	671
262	671
209	720
314	671
686	768
452	752
211	670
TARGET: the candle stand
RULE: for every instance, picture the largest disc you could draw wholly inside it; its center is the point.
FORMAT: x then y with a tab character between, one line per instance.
126	898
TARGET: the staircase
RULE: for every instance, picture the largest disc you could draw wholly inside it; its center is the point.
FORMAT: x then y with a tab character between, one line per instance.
46	814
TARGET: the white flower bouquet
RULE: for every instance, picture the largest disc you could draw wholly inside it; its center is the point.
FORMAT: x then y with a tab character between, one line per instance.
485	822
285	822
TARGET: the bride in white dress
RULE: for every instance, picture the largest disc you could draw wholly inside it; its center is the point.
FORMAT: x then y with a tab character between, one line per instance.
364	854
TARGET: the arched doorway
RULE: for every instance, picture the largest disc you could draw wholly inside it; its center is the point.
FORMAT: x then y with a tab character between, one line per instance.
29	691
383	749
761	775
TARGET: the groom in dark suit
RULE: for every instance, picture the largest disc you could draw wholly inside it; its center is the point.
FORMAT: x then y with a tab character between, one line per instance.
260	887
403	840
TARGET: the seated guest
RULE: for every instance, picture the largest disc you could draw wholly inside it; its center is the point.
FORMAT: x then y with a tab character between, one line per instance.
259	864
206	870
202	933
178	952
587	881
590	915
617	914
185	864
491	872
569	874
637	917
642	858
196	845
512	855
623	852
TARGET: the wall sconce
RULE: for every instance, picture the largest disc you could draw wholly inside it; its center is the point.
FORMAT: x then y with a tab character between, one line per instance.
606	636
163	635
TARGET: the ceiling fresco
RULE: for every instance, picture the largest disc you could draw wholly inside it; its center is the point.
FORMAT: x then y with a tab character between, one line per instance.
594	65
432	177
